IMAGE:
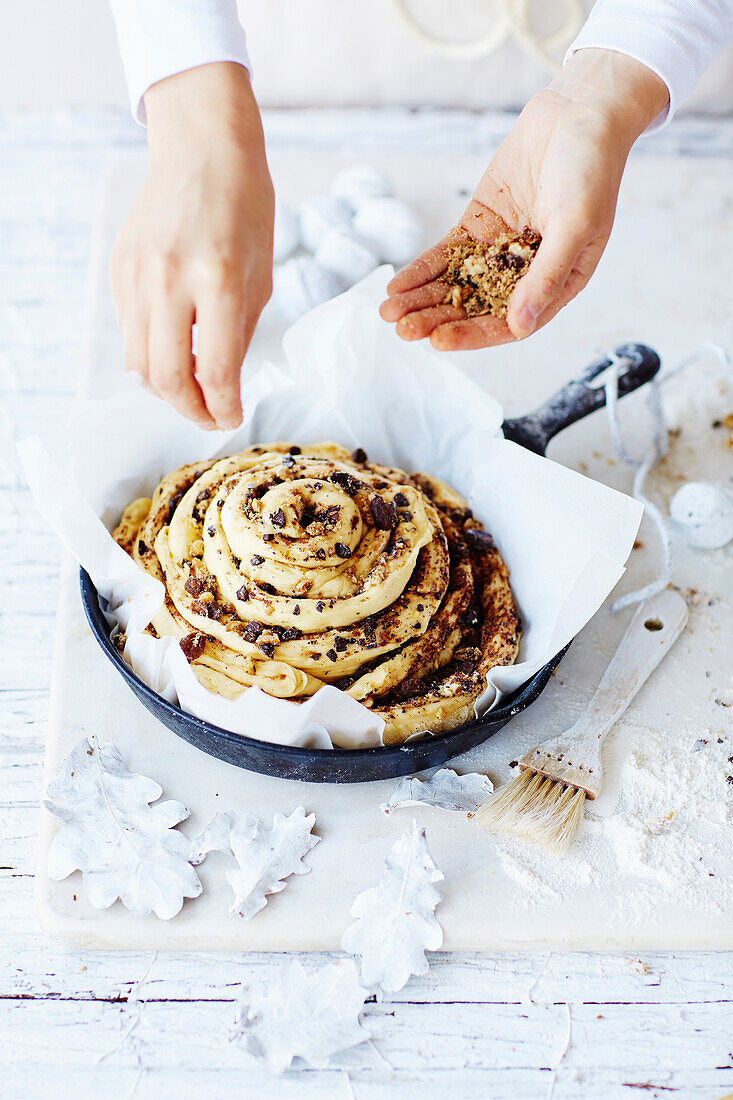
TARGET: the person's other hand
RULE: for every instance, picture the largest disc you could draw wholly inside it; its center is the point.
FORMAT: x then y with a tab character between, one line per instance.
558	172
197	244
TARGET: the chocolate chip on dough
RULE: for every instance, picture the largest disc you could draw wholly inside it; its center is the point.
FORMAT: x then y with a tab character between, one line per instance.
465	668
347	482
252	631
194	586
407	687
478	539
174	502
469	618
342	550
383	514
193	645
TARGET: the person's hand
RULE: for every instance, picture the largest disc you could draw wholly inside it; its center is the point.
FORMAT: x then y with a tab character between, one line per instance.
558	172
197	244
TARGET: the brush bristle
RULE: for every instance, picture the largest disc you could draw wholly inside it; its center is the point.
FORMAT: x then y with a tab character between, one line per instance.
535	808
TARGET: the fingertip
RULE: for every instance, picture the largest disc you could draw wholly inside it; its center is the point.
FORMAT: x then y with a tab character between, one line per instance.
206	424
444	337
470	334
406	328
388	310
402	281
522	321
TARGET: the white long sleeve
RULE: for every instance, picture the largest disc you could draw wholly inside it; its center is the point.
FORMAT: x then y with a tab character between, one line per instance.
676	39
159	38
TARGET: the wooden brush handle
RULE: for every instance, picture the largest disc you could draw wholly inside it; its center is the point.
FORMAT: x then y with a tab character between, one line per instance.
655	627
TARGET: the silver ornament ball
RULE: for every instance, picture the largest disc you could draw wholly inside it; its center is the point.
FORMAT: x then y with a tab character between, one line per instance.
392	228
300	284
317	215
703	514
358	183
346	256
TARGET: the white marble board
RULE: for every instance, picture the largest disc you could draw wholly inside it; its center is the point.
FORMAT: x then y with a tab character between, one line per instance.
664	280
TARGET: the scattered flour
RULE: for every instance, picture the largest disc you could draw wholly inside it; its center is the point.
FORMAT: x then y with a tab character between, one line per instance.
670	834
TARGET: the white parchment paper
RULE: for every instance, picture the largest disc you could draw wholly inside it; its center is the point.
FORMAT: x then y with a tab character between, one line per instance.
347	377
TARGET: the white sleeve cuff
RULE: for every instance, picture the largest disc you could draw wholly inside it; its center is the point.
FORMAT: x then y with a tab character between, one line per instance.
676	39
651	47
159	38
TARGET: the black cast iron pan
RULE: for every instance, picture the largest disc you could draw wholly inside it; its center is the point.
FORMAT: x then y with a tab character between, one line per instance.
572	403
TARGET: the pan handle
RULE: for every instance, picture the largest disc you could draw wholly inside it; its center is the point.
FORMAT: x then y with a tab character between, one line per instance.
579	398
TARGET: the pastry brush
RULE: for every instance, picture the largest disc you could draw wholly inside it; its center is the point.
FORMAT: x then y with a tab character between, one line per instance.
544	803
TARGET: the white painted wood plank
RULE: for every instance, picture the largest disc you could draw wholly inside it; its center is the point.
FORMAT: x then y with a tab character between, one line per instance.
175	1035
145	1083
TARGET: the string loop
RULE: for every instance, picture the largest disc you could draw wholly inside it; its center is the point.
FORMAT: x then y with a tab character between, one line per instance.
645	464
510	18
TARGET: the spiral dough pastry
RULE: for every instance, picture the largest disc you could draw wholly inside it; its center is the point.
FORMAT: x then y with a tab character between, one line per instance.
289	568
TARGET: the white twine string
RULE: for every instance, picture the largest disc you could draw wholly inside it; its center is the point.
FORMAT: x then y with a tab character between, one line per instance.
548	49
644	465
509	17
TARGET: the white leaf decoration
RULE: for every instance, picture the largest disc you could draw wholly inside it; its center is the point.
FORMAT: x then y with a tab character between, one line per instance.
308	1016
396	921
124	847
446	790
265	857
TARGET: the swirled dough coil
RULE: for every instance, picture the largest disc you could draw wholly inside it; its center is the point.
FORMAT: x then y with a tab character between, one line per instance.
290	568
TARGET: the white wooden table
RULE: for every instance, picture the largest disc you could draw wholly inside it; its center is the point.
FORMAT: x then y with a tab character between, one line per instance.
74	1023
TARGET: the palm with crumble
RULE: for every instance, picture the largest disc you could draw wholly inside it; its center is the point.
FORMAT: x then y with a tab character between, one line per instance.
557	172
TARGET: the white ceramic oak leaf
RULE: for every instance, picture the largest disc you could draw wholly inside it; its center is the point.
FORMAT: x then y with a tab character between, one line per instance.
265	857
217	835
446	790
396	921
124	847
302	1015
